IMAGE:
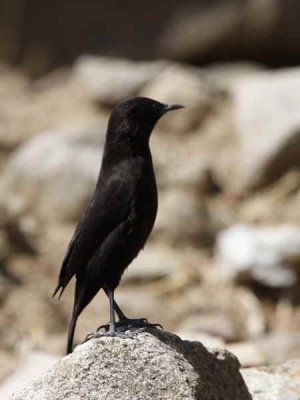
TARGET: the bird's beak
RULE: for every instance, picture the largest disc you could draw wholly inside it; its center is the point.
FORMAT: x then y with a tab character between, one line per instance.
171	107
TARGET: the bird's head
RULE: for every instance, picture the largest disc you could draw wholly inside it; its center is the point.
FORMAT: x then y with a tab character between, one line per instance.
134	119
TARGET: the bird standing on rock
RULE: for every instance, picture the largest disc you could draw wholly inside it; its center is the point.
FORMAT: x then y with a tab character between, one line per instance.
120	214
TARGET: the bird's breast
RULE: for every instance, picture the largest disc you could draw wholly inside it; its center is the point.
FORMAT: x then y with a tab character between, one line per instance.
145	203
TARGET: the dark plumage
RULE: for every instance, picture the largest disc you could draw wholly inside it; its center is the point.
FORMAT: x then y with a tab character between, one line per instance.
121	212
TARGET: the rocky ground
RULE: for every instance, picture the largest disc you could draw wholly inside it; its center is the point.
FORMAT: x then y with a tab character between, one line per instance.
222	264
152	365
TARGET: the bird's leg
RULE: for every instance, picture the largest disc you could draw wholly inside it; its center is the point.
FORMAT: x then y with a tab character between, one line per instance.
120	313
124	324
118	310
112	322
111	327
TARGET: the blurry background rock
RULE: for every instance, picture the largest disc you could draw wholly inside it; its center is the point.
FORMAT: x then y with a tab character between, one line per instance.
42	36
270	256
222	265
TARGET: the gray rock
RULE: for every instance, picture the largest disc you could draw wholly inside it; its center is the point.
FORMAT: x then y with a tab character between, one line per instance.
12	125
109	80
205	339
217	324
264	254
33	107
287	346
260	351
248	353
54	173
267	119
231	313
34	364
280	382
150	366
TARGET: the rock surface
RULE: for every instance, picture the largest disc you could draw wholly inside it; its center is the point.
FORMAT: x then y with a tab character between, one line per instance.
274	382
43	172
268	255
34	364
156	365
267	118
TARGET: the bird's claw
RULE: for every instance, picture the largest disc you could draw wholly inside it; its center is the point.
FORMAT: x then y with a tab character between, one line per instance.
105	327
130	324
125	329
94	335
97	335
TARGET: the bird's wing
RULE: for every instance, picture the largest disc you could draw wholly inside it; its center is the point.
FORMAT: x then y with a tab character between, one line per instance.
109	206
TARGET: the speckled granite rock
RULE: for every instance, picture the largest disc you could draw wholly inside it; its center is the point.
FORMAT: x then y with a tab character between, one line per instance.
276	382
156	365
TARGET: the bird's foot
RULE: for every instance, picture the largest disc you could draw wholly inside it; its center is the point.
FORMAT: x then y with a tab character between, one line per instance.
127	324
97	335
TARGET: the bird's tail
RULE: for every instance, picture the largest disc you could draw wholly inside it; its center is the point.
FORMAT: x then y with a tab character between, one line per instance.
62	284
80	301
58	287
71	331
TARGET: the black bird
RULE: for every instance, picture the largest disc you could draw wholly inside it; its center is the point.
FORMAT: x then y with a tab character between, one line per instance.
121	212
